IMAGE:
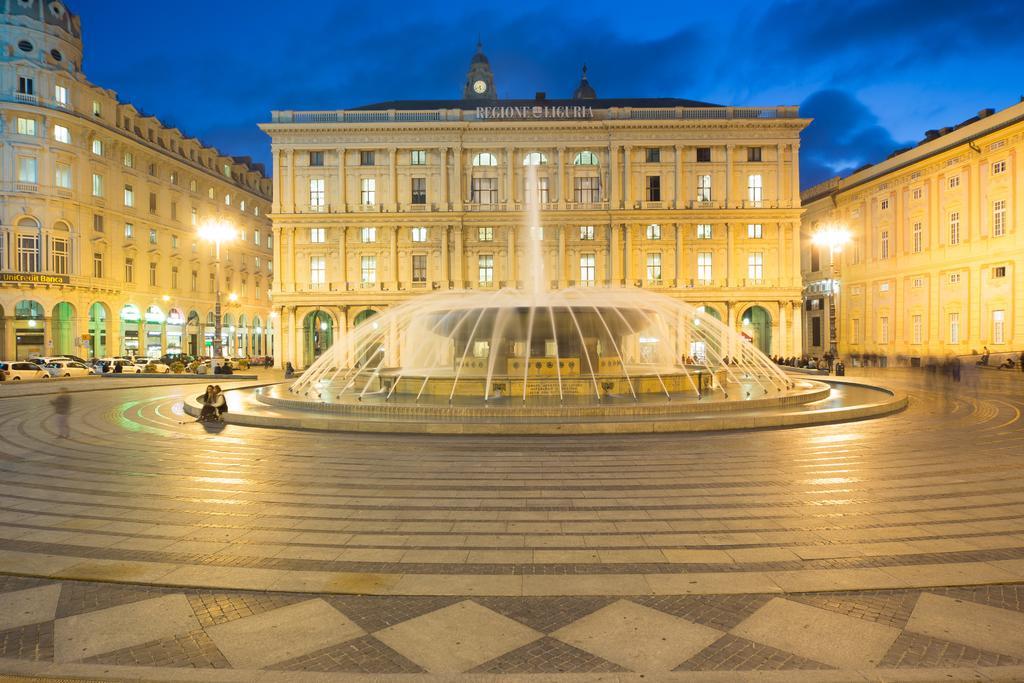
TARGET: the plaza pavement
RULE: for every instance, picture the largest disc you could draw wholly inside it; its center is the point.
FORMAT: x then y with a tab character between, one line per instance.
890	549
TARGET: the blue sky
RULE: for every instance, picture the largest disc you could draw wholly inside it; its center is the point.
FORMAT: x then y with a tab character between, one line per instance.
875	74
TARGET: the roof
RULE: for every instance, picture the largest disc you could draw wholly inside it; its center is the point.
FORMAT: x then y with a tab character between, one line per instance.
603	103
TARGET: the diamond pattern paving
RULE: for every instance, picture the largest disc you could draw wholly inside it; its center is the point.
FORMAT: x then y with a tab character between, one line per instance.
365	655
547	655
960	621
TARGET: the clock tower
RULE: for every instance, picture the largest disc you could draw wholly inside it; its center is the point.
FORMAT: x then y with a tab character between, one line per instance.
479	79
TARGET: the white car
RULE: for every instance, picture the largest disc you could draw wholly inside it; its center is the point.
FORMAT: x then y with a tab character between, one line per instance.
110	364
43	360
157	365
68	368
19	370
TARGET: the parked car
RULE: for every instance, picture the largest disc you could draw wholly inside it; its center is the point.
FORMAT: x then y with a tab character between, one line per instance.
145	362
68	368
43	360
108	365
19	370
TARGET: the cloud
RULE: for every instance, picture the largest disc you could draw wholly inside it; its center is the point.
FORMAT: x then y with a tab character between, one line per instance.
844	136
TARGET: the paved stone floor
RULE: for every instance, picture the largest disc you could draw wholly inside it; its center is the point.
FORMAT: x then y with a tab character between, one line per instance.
890	549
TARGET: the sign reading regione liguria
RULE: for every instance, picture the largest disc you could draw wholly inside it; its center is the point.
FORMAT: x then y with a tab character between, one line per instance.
36	278
537	112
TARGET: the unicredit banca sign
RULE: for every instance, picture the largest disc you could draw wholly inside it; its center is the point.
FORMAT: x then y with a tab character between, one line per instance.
537	112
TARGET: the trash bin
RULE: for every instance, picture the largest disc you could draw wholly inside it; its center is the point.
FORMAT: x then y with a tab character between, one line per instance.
840	370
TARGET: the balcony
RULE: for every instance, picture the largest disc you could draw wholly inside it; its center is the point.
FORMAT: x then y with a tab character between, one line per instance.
587	206
26	187
703	204
369	208
477	206
26	98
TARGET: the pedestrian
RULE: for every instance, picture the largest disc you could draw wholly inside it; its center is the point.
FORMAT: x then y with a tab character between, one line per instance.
289	371
208	413
62	408
220	402
266	363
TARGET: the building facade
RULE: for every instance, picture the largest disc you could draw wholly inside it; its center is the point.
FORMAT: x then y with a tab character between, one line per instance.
934	262
378	204
99	209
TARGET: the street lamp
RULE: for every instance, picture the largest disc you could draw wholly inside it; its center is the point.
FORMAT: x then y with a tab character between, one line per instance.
217	231
835	237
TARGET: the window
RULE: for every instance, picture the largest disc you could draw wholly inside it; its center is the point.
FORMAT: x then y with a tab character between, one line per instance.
753	154
585	158
755	188
227	200
884	287
62	134
129	196
538	188
418	157
60	95
26	86
954	328
368	192
368	235
226	168
885	204
918	328
586	232
194	218
587	190
152	169
419	190
653	155
954	227
485	234
317	271
366	158
129	160
59	255
129	270
654	267
97	264
535	159
485	159
316	194
704	188
152	275
316	158
174	277
918	282
174	177
999	167
855	334
883	330
954	278
129	231
755	231
97	222
194	283
317	235
174	211
63	176
28	253
485	264
954	181
419	234
256	262
654	232
97	108
999	218
26	126
97	147
210	192
884	245
212	283
999	271
174	241
152	202
193	186
587	269
256	237
998	327
419	268
703	231
484	191
918	237
917	193
368	270
28	170
703	155
653	188
704	266
755	266
152	236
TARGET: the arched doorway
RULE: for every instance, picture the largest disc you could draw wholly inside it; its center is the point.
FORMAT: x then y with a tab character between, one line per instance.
175	331
756	325
227	334
131	321
154	332
363	316
29	320
62	332
257	337
242	336
317	335
704	343
98	314
209	333
192	332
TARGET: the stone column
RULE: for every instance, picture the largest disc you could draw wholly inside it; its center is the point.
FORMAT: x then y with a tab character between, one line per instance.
627	252
627	177
292	335
510	175
731	345
728	175
48	335
614	255
10	339
393	171
459	190
289	275
446	275
795	174
613	180
562	279
342	182
343	257
277	180
783	278
445	206
560	179
729	253
778	175
798	338
291	181
678	230
678	177
783	316
512	275
458	274
394	259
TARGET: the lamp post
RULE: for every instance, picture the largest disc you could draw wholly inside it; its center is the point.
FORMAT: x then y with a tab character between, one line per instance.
218	232
835	238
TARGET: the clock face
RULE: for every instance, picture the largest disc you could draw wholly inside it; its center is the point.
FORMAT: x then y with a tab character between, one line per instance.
479	87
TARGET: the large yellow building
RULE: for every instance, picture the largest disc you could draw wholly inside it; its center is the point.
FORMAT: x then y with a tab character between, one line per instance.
99	206
380	203
934	264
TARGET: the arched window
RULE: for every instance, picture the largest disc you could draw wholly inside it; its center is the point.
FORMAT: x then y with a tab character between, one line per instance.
585	158
485	159
535	159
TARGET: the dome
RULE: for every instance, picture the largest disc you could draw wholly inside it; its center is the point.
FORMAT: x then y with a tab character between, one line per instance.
584	91
479	57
